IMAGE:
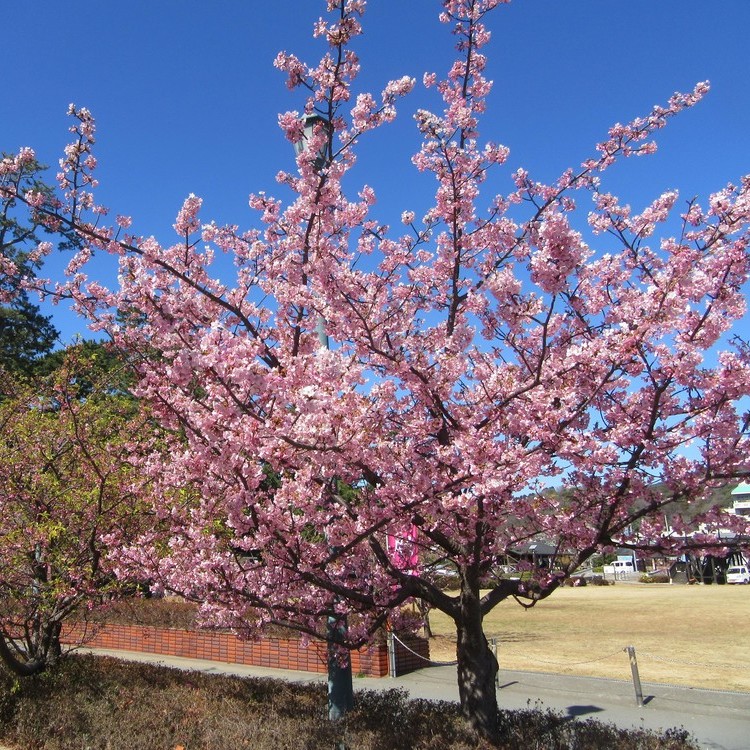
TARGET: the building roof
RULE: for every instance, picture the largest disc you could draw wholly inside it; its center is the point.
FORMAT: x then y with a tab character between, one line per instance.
536	548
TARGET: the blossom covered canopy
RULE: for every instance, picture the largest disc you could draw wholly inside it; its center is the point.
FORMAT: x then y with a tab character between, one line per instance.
478	354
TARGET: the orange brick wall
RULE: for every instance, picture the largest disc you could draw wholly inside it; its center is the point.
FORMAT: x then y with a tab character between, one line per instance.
277	653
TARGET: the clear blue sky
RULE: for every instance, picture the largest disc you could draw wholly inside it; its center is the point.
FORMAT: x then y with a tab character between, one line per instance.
186	97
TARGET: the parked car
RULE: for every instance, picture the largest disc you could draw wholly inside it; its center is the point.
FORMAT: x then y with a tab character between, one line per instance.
442	569
738	574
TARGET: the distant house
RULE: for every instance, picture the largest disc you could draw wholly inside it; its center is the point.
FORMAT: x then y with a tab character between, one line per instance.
710	568
539	553
695	566
741	500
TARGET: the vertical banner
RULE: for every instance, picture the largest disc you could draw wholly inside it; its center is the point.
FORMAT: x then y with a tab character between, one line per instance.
403	550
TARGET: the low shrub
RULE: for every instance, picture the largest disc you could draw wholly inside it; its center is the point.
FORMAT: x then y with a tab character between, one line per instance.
100	703
595	580
168	612
547	730
176	613
575	581
660	578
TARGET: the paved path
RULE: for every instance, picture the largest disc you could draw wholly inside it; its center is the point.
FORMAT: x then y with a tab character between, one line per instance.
719	720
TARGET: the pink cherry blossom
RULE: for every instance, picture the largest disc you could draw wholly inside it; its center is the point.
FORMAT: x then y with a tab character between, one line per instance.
187	219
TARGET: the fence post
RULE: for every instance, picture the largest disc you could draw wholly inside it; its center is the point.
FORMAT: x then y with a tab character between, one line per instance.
636	676
493	648
391	654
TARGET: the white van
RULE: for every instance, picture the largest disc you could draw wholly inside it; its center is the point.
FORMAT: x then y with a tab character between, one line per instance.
619	569
623	566
738	574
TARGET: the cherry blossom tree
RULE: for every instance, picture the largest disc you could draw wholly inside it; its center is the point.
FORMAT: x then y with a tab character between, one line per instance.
65	485
481	354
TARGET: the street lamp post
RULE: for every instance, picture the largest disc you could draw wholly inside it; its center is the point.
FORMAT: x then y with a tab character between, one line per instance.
340	687
309	124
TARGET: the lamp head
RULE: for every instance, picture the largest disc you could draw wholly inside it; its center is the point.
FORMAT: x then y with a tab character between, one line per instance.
309	124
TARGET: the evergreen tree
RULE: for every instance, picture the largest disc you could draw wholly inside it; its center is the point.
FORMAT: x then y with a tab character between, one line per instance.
26	335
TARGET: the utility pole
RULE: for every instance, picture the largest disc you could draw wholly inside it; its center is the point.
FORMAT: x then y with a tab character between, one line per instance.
340	685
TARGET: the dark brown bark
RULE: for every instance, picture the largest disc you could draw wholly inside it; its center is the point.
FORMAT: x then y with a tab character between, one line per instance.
477	669
45	652
17	665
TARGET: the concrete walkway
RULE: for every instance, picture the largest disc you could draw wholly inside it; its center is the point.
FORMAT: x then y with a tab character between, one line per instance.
718	720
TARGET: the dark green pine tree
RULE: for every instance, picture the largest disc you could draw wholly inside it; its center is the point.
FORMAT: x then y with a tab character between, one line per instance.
26	335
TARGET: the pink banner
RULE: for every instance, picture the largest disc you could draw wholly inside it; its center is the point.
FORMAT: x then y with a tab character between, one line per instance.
403	550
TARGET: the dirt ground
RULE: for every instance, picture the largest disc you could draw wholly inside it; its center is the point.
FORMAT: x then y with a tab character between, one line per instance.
695	636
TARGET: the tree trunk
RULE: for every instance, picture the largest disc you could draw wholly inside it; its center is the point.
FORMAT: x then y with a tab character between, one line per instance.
44	651
424	611
340	687
18	666
477	669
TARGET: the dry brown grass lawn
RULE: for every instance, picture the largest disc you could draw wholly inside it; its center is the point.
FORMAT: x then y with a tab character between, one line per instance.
684	635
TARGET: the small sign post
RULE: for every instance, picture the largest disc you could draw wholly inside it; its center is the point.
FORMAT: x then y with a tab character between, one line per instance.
636	676
493	648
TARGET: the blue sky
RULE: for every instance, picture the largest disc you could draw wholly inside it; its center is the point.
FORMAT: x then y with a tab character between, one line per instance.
186	96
